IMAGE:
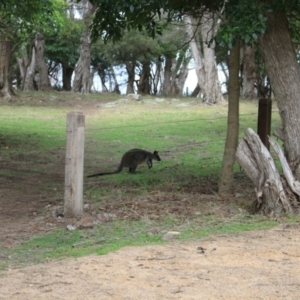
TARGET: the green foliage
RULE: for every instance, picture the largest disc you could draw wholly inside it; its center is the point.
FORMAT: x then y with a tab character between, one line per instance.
134	46
113	17
173	39
244	21
22	18
23	14
62	44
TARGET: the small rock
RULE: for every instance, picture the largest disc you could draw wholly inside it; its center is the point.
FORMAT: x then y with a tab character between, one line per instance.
106	217
71	227
160	100
86	207
170	235
58	212
136	97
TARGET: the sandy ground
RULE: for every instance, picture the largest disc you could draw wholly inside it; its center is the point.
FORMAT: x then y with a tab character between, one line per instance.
253	265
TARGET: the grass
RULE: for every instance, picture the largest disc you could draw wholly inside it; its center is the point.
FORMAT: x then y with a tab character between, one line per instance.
115	235
190	141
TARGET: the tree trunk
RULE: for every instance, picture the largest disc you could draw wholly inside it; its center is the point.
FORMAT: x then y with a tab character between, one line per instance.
67	72
6	89
226	178
116	85
274	193
157	78
130	67
249	73
82	79
283	71
179	74
167	77
209	28
43	79
29	64
196	91
82	76
181	78
191	29
144	83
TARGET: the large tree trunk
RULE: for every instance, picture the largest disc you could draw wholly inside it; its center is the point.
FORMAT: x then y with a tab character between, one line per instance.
166	90
249	73
130	67
27	69
67	72
82	79
6	89
209	28
283	71
226	178
82	76
144	83
191	29
43	79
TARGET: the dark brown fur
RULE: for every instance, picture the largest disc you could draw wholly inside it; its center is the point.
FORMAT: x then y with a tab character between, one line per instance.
131	159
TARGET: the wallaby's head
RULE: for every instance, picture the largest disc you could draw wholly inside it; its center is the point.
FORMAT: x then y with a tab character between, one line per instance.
156	156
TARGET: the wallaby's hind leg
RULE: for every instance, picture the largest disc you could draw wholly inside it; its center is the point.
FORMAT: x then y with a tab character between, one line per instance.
149	163
132	169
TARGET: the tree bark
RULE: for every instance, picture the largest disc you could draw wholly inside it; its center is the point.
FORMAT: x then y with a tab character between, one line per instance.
249	73
144	83
6	89
43	79
82	76
67	72
29	73
116	85
167	77
226	178
274	193
82	79
283	71
209	28
130	67
191	29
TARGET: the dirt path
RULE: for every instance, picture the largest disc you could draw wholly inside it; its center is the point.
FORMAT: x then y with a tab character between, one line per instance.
252	265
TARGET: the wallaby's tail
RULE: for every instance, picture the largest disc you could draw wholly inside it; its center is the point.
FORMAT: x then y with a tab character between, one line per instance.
108	173
101	174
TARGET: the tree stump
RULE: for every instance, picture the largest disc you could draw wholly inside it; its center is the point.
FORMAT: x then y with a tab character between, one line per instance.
275	193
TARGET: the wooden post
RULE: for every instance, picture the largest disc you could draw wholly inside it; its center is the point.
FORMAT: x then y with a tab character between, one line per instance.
73	203
264	120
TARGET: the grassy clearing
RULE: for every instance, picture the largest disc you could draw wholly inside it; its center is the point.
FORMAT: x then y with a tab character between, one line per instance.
190	140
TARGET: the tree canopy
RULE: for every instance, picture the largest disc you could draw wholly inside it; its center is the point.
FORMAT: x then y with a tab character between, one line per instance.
113	17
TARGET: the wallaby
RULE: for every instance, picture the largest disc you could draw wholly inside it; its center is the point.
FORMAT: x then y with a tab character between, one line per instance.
131	159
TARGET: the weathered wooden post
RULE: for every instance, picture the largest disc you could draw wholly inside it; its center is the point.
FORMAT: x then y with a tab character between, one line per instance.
264	120
73	203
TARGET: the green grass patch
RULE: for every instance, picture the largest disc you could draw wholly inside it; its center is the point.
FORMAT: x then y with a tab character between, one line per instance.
118	234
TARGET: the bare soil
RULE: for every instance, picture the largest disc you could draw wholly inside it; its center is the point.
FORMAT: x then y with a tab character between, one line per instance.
251	265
